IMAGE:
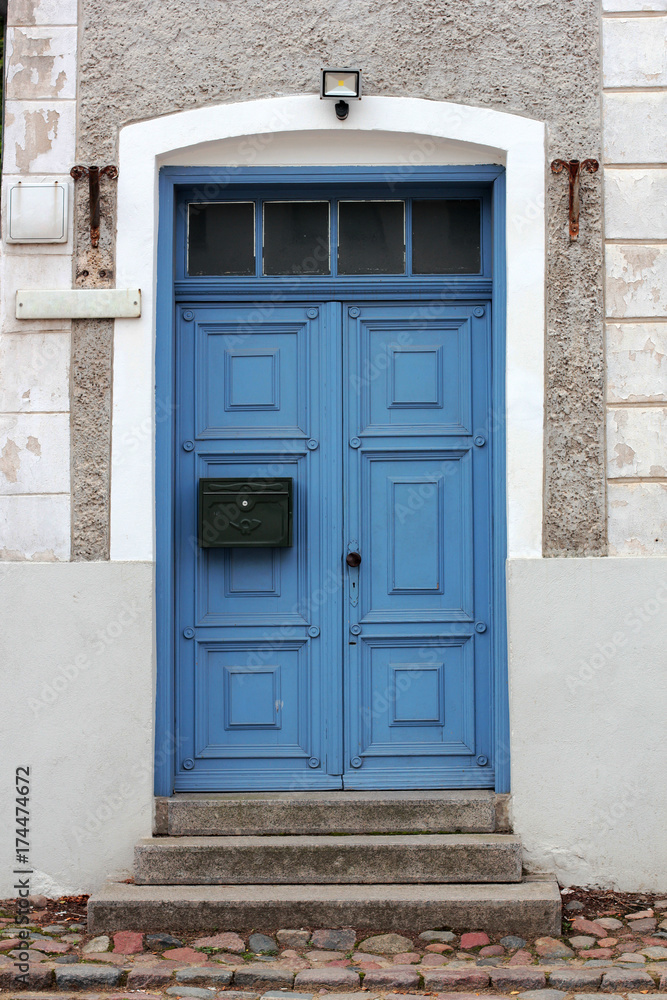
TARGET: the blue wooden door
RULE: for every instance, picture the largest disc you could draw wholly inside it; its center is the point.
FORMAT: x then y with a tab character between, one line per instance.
295	670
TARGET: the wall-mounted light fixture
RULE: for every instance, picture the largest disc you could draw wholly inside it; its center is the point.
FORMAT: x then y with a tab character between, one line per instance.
341	85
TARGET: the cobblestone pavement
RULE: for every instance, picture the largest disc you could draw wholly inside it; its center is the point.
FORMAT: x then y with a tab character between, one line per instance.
624	954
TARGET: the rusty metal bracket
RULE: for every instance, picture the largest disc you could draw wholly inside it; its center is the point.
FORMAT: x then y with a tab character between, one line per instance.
93	174
574	168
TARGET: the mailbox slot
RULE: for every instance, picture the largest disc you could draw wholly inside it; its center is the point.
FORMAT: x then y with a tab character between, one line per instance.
245	513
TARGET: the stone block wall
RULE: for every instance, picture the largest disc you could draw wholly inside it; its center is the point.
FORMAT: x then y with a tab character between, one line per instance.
39	145
634	44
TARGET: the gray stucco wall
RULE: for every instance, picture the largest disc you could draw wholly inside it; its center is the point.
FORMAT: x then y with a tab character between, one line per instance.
139	59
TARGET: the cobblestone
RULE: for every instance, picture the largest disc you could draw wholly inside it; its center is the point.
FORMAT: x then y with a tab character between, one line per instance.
328	979
205	977
263	977
143	977
386	944
78	977
456	979
336	940
575	979
507	980
446	936
624	979
293	938
392	978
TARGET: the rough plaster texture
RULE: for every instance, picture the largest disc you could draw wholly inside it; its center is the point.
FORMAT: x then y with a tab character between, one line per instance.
77	709
530	59
588	698
90	407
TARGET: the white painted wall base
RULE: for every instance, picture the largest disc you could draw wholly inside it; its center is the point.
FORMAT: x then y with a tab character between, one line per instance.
76	649
588	708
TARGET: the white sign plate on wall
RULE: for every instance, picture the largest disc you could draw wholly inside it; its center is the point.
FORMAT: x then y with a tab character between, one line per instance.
37	213
78	303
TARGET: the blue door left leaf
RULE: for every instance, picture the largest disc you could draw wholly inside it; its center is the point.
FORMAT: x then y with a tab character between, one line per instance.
258	657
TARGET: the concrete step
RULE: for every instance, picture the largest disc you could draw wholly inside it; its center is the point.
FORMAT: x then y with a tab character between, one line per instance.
302	813
467	857
527	908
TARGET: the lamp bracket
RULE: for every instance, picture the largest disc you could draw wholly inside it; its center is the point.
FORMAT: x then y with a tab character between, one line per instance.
342	110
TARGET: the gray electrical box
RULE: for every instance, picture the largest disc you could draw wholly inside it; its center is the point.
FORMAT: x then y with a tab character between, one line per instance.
245	513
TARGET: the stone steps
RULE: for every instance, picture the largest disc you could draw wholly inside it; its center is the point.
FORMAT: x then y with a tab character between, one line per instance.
318	813
352	859
527	908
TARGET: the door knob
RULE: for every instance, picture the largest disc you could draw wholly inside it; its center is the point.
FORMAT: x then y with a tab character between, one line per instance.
353	559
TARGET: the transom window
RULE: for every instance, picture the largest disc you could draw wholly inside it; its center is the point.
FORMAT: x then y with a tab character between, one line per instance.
346	236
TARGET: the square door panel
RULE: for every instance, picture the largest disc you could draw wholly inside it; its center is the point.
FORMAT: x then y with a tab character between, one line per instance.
418	695
251	377
415	377
257	586
252	698
419	523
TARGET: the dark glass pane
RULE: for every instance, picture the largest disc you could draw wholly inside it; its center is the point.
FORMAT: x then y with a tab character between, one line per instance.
371	237
446	237
221	238
296	237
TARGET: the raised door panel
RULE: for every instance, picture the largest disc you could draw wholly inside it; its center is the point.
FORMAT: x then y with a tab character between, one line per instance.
419	530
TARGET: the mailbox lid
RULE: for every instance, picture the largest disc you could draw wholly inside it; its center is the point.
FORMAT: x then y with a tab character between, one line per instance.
245	513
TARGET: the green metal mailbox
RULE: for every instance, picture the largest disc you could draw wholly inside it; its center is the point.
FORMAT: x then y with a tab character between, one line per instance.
245	513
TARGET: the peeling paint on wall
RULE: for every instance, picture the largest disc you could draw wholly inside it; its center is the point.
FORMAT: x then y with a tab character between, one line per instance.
41	130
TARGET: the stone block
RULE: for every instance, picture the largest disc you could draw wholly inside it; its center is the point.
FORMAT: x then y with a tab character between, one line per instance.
83	977
34	372
456	979
636	363
328	979
392	978
25	270
263	977
35	528
633	52
140	979
41	62
39	136
34	453
626	979
635	204
517	978
635	127
38	979
637	519
636	280
189	991
636	448
204	977
575	979
43	12
628	6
